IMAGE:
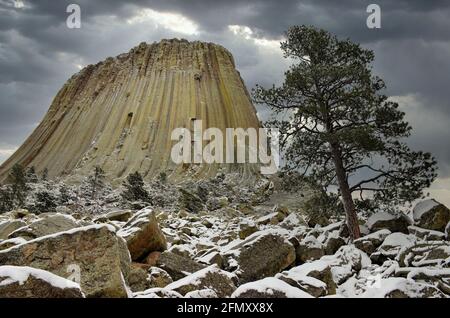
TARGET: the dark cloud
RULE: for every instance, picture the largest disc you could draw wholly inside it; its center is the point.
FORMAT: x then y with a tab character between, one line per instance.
38	52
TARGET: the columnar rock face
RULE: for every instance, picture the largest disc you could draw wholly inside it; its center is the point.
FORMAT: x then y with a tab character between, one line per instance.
119	113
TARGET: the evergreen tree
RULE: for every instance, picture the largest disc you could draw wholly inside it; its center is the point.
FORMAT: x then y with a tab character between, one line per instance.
45	174
96	182
64	195
45	201
6	199
18	185
340	128
31	176
163	177
134	189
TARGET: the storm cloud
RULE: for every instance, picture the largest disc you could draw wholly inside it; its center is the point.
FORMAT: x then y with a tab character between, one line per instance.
38	53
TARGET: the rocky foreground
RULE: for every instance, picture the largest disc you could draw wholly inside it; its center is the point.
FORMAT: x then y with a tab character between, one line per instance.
229	251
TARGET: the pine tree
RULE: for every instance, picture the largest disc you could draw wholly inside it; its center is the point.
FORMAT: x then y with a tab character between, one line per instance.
6	199
31	176
64	195
340	128
134	189
45	201
44	174
96	182
18	185
163	177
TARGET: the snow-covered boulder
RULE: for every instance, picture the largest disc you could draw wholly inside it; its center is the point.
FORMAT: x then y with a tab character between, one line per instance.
159	278
431	215
190	201
369	243
269	287
262	254
331	241
157	293
221	282
309	249
397	222
435	253
210	258
427	235
138	278
315	278
439	277
391	247
302	277
9	226
176	265
20	213
114	215
143	234
46	225
202	293
247	228
95	253
5	244
391	287
28	282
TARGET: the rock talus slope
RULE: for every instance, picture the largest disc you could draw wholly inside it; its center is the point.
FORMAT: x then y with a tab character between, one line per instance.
119	113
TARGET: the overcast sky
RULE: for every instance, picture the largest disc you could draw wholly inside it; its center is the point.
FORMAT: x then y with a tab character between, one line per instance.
38	52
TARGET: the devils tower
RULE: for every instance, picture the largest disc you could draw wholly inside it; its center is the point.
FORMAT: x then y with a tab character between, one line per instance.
119	113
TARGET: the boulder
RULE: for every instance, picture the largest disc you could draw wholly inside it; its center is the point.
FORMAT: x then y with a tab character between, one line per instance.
292	221
177	266
311	285
271	218
439	277
11	242
211	258
431	215
314	277
309	249
182	250
95	253
157	293
436	253
246	229
391	247
143	235
7	227
212	277
27	282
347	261
20	213
46	225
269	287
116	215
202	293
371	242
138	278
397	287
332	242
190	201
393	222
261	255
427	235
159	278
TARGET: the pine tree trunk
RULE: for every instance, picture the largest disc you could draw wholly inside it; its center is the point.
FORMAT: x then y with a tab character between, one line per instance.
349	206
